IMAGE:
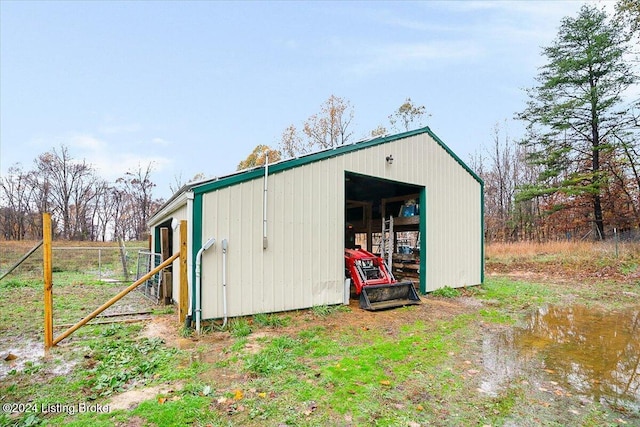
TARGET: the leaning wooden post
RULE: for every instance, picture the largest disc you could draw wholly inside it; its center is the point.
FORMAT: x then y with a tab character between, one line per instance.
183	303
48	281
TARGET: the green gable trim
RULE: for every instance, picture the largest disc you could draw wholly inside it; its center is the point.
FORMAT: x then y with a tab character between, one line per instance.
323	155
455	156
196	243
482	261
423	240
156	240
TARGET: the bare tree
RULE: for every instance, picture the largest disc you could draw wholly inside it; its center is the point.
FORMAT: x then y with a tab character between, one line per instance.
69	185
102	212
504	169
329	128
16	195
138	193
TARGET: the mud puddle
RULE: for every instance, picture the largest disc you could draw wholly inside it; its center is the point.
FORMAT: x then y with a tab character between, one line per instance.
29	356
591	353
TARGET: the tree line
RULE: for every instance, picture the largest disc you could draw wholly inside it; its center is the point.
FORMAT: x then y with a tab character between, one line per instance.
83	206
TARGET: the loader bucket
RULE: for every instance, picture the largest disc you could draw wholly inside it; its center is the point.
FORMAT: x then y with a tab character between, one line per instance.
380	297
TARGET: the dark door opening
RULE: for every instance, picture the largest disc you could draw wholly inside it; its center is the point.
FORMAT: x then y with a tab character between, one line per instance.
384	217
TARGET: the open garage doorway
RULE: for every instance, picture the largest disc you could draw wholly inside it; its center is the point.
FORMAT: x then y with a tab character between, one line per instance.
387	218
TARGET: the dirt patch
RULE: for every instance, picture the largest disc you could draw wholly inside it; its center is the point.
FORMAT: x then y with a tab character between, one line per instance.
133	422
162	326
132	398
167	327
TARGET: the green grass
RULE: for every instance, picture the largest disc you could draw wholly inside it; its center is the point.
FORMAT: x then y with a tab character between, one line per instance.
112	361
352	376
239	327
327	310
124	361
446	292
496	316
305	369
20	282
271	320
513	294
279	355
629	267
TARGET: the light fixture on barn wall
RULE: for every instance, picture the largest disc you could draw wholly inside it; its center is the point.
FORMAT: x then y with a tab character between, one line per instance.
389	159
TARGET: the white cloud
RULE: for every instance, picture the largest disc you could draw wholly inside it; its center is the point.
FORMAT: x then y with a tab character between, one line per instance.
114	125
111	159
86	142
388	57
160	141
496	26
118	165
110	129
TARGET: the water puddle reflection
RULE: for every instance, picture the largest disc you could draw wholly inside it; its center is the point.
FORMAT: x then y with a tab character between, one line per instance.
595	354
29	356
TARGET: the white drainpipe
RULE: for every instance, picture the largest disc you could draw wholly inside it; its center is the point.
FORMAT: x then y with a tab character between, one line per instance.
224	281
198	298
264	203
190	278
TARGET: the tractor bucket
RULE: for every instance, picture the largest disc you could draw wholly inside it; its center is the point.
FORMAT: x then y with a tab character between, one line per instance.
380	297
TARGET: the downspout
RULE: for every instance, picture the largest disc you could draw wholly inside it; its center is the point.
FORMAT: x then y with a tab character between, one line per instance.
198	298
264	202
189	317
224	281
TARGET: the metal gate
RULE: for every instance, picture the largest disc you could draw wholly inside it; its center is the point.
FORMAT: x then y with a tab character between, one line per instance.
152	288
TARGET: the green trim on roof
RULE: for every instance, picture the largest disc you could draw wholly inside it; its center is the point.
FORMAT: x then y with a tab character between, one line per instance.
323	155
455	156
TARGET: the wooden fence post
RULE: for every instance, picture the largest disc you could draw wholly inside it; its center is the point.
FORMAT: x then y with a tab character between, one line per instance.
48	281
183	303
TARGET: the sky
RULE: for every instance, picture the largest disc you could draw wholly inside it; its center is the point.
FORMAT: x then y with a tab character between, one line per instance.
193	87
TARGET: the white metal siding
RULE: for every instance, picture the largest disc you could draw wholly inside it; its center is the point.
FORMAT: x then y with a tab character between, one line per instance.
303	264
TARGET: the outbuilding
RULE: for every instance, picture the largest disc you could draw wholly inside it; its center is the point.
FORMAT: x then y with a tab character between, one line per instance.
272	238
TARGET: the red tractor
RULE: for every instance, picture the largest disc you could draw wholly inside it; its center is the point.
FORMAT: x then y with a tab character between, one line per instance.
375	284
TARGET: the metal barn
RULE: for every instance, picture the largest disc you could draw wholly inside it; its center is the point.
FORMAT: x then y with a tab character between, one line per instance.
280	230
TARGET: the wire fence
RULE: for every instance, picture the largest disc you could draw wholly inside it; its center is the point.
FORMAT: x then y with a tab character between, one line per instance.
104	263
152	288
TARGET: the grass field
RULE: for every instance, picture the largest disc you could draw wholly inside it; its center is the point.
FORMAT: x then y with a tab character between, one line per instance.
326	366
